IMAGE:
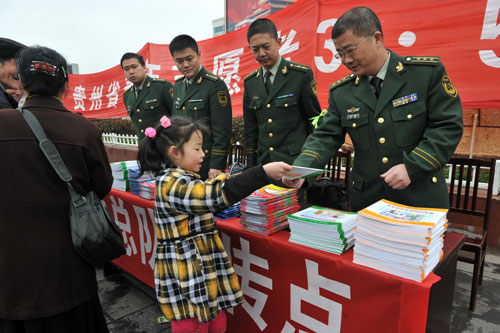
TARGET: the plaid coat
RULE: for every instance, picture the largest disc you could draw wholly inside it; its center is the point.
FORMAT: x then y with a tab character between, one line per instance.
194	277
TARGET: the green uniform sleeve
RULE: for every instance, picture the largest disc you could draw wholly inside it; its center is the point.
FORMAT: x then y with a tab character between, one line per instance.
443	130
221	123
251	130
167	92
309	100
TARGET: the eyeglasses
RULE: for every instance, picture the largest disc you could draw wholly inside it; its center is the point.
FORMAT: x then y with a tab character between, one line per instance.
342	54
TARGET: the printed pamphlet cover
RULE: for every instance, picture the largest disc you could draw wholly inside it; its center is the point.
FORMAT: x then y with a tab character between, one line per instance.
271	191
323	215
388	211
301	172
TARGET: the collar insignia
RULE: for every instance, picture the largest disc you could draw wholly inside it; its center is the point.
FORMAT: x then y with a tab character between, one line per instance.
399	67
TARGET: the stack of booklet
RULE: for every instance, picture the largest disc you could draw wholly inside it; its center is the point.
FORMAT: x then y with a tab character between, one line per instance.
323	228
147	189
135	181
401	240
121	174
233	211
264	211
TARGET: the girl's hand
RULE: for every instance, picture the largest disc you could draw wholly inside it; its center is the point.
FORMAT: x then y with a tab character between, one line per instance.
276	170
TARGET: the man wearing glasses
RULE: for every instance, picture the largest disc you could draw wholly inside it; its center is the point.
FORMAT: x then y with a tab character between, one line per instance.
403	115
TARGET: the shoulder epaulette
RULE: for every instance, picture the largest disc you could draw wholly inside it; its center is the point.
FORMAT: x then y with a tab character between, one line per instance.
211	76
251	74
128	90
180	78
421	60
159	80
299	67
342	81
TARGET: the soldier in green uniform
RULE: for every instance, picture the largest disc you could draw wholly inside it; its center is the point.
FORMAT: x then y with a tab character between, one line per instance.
403	130
278	100
148	99
200	94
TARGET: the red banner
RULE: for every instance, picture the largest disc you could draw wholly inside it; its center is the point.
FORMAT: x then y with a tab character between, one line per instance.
463	33
288	287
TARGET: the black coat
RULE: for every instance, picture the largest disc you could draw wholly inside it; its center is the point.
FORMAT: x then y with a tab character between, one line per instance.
40	273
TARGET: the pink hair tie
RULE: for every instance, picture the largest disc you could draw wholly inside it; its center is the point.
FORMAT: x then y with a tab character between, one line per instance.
150	132
165	122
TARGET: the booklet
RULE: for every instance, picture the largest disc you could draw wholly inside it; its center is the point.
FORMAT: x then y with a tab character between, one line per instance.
301	172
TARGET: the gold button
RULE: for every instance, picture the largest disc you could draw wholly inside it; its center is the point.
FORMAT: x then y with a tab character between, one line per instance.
271	149
380	120
140	120
142	131
269	120
434	180
138	110
409	116
354	125
270	135
381	140
255	108
152	108
206	151
385	160
353	182
184	108
195	108
286	105
268	106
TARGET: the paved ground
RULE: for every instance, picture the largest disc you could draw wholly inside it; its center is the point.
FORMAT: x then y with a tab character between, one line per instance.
130	306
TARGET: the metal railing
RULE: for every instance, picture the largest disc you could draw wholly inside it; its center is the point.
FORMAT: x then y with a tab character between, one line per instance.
120	139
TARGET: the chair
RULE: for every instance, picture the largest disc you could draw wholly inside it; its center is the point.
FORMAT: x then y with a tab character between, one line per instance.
339	167
471	215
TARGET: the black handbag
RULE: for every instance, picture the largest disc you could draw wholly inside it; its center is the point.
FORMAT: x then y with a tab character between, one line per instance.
327	193
95	234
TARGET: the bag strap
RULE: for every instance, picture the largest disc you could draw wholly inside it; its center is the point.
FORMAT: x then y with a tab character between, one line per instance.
50	151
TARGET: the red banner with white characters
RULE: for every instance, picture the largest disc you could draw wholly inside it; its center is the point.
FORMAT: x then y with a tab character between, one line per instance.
464	33
287	287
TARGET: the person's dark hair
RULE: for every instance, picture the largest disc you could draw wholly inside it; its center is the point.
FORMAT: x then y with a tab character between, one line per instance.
42	71
152	151
130	55
361	20
262	26
182	42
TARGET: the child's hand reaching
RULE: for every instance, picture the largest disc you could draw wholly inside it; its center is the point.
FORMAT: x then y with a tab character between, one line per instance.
276	170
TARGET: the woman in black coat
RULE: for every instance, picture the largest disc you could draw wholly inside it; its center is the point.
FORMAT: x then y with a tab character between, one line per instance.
44	285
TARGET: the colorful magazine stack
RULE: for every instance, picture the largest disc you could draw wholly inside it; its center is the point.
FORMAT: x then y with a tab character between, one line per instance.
147	190
231	212
121	174
135	181
323	228
265	210
401	240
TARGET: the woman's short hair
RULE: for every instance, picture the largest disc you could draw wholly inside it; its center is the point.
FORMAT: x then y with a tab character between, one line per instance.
42	70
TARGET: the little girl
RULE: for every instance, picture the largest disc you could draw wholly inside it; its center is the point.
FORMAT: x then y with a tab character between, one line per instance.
194	278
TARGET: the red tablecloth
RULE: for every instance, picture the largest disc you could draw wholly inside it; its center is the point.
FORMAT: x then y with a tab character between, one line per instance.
288	287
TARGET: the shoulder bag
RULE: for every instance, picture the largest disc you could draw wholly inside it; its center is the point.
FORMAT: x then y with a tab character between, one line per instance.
95	234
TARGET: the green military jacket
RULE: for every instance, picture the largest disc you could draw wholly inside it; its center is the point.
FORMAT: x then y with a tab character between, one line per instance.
153	102
276	125
207	97
417	120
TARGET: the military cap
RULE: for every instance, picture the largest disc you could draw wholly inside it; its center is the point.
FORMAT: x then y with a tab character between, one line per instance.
9	48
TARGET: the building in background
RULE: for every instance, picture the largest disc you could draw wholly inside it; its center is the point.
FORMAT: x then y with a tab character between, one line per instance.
73	69
219	26
241	13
